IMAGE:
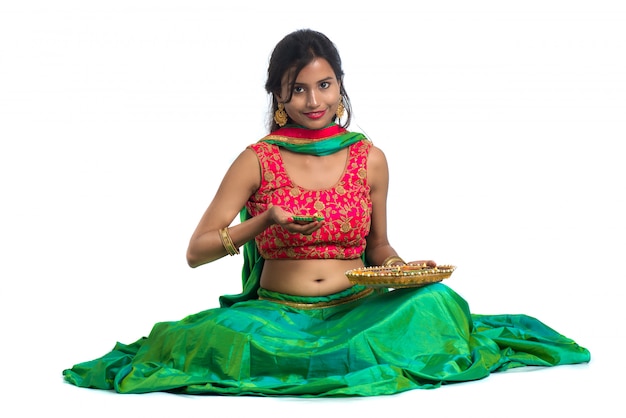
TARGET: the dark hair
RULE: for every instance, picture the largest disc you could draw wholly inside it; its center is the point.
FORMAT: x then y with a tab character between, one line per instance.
294	52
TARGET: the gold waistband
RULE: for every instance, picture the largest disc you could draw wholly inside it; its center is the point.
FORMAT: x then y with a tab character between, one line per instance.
319	305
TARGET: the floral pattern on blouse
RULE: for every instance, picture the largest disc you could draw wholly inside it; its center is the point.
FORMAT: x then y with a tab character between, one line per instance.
346	208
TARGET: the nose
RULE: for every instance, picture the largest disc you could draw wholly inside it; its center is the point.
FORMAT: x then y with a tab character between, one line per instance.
312	99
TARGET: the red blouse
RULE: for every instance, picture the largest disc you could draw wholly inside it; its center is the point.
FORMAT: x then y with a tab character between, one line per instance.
346	208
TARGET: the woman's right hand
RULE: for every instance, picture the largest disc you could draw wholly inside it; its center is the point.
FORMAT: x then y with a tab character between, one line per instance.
285	219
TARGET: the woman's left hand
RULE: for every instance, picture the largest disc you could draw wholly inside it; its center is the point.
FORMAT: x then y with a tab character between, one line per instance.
428	263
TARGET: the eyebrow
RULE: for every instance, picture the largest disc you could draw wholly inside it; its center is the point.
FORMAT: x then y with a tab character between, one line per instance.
330	78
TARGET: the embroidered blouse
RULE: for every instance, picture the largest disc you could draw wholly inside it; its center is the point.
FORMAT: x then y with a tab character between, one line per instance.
346	208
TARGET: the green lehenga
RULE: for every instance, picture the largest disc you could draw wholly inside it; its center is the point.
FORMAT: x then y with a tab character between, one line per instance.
265	343
354	343
384	343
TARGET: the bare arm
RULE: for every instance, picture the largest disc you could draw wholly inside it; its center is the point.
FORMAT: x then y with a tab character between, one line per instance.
242	180
378	247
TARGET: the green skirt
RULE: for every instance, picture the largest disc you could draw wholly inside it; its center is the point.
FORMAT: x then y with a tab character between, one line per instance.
356	343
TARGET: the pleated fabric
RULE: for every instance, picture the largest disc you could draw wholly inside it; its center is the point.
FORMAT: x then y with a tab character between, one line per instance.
384	343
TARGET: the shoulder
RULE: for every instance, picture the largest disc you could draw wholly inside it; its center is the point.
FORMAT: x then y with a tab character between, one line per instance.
376	158
248	158
262	147
245	171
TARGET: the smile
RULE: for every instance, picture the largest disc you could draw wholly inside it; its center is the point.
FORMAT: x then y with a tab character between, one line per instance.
315	115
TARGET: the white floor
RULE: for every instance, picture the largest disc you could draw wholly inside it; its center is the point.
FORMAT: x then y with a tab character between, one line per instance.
583	390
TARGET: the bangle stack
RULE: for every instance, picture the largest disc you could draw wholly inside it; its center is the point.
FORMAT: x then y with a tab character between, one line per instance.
393	260
227	242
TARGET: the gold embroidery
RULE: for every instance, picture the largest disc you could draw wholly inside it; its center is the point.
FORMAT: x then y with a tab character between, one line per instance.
346	209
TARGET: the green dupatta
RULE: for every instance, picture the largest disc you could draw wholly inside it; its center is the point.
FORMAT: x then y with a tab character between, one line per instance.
320	142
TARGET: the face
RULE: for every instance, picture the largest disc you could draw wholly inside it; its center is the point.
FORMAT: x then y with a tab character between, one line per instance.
315	97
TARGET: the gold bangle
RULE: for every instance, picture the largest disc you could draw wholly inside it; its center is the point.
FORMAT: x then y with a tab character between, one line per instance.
391	260
227	242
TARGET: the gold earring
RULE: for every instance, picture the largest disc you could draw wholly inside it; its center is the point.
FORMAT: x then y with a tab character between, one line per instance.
340	110
280	116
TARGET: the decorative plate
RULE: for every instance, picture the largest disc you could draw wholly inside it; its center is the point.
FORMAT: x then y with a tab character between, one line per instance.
408	275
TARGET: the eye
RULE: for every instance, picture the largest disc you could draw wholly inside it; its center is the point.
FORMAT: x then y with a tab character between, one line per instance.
298	89
325	84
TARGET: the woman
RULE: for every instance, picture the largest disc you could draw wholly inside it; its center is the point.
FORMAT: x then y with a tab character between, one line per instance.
300	327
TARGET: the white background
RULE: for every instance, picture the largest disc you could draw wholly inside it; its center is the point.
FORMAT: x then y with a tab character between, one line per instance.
503	123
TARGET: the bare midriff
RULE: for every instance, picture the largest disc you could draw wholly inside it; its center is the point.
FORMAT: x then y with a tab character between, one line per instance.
307	277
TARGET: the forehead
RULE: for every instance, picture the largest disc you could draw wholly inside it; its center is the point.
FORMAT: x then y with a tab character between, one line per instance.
316	70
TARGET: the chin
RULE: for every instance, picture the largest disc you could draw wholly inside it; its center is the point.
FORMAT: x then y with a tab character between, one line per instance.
316	124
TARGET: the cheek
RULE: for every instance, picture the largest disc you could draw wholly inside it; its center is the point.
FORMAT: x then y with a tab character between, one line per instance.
334	97
293	105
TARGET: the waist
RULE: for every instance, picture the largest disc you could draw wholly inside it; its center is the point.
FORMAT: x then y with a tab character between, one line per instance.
348	295
307	277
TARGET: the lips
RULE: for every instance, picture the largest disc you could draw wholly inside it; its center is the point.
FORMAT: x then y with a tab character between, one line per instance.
315	115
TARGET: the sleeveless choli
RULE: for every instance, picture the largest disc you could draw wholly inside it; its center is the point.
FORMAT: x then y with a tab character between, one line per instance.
346	208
